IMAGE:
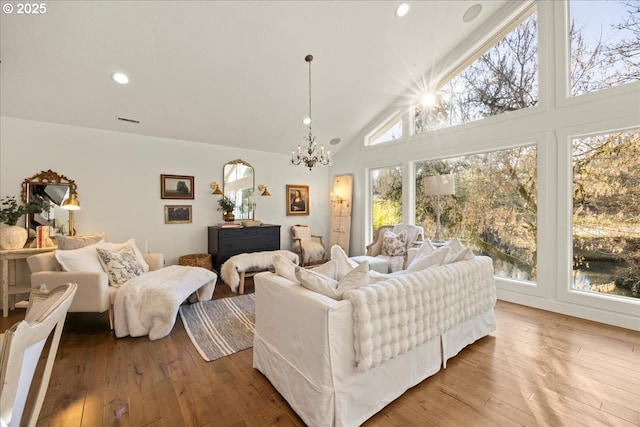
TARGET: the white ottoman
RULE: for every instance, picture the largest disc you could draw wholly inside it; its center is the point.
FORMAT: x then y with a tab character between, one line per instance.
376	264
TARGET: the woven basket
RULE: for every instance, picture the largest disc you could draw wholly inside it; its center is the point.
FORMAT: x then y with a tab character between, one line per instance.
196	260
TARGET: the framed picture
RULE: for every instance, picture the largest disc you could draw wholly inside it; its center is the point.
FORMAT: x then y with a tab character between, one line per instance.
177	214
297	199
176	187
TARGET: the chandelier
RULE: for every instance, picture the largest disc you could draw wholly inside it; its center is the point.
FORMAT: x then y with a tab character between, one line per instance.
308	155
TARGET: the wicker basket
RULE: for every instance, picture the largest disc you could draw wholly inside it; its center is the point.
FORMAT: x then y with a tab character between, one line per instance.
196	260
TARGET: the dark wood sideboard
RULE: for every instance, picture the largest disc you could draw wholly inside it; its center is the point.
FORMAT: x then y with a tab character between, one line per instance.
225	242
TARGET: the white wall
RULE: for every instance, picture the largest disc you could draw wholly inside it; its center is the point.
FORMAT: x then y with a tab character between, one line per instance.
118	178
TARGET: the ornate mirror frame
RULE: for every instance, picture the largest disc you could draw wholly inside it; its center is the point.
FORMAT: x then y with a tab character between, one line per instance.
239	183
36	185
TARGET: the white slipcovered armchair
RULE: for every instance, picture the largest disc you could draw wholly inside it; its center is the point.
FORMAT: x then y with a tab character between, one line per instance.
392	242
94	295
308	246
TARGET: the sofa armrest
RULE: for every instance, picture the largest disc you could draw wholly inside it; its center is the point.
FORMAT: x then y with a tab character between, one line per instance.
155	260
93	288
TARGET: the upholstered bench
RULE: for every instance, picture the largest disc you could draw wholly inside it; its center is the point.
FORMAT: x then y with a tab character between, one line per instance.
236	268
377	264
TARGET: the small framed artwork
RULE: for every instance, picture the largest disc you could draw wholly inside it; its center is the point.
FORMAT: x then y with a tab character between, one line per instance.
176	187
297	199
177	214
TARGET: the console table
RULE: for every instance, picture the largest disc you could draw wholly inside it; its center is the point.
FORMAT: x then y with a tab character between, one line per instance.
15	288
225	242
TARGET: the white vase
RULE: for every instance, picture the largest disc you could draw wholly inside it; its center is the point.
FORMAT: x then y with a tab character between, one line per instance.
12	236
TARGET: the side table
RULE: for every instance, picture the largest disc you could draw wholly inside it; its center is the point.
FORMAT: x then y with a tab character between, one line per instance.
15	288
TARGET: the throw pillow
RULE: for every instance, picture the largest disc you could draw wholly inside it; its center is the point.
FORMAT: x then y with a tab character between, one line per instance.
422	262
394	244
356	278
76	242
120	264
285	268
317	283
83	259
131	243
464	254
345	265
425	249
328	269
456	246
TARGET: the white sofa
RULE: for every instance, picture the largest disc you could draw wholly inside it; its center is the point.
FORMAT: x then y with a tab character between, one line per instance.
304	341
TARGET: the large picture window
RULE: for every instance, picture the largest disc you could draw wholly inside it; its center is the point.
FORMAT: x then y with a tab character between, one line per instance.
605	44
606	213
502	79
494	209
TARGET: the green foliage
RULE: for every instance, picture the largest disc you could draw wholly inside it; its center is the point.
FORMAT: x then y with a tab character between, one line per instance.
11	211
226	204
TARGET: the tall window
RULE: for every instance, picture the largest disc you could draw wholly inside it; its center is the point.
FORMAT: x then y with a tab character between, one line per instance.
502	79
606	213
605	44
386	196
494	209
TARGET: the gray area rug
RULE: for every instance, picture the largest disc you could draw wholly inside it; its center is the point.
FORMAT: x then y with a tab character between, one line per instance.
220	327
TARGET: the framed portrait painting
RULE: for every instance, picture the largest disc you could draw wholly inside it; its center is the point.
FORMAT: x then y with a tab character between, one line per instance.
297	199
176	187
177	214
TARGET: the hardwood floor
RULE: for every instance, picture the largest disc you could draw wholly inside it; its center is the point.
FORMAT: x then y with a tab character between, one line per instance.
538	368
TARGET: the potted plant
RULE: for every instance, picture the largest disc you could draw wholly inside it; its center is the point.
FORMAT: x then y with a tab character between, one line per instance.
12	236
226	206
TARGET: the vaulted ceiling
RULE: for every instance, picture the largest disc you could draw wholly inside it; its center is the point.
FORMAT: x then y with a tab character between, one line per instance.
227	72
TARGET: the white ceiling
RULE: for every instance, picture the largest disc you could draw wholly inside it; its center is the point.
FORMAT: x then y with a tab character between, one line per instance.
226	72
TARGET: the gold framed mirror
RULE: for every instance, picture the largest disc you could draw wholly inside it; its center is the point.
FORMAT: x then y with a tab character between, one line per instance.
56	192
239	184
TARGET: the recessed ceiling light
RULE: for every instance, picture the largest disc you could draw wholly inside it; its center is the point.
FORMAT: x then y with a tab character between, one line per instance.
402	10
472	13
335	141
120	78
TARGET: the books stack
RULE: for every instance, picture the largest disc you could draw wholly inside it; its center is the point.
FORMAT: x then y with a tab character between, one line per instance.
230	225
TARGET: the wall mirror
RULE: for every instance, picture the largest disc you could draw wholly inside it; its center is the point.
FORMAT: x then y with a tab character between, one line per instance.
239	184
53	190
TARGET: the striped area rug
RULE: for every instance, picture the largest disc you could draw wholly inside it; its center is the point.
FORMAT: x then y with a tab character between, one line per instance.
220	327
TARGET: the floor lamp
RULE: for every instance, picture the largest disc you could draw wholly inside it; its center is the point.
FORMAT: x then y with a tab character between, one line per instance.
439	185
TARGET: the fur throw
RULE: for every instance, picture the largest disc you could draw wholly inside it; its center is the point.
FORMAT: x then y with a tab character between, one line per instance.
148	304
253	261
404	312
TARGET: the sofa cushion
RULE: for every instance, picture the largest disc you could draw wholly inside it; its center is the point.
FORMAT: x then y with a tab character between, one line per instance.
427	260
83	259
328	269
317	282
345	265
357	277
394	244
120	264
77	242
284	267
464	254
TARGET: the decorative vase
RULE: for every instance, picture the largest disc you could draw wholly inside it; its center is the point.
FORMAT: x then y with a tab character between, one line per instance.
12	236
228	216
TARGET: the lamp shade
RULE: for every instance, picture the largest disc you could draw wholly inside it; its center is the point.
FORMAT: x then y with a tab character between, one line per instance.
71	203
439	185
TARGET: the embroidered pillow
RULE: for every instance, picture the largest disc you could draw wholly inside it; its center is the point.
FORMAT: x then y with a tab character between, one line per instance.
120	264
132	244
394	244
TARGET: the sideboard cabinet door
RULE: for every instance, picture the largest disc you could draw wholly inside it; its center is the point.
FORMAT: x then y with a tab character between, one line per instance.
225	242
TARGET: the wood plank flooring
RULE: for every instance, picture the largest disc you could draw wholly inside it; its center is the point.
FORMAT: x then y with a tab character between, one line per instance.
538	368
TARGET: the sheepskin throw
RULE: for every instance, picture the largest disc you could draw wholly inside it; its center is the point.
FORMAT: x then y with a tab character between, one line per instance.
254	261
401	313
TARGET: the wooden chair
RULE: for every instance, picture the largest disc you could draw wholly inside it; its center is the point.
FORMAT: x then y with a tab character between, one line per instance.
20	349
308	246
376	248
